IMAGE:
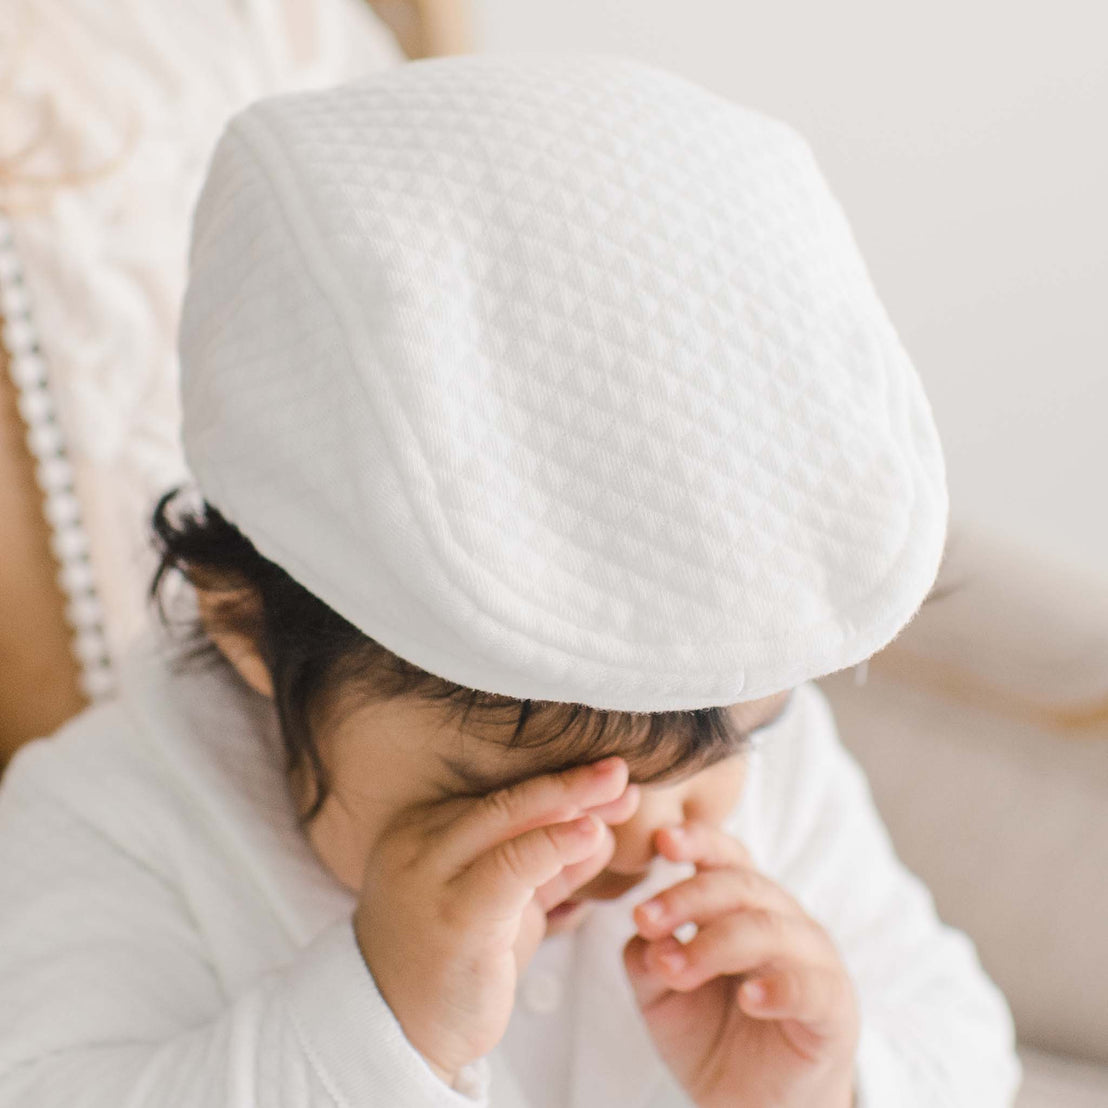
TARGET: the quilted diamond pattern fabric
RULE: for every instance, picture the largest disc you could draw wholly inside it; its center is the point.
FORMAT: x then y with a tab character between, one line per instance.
561	377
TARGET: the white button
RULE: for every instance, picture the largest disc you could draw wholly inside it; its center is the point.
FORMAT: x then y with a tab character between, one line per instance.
542	992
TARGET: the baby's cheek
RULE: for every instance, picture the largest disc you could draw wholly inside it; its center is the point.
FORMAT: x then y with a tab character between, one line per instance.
715	792
340	845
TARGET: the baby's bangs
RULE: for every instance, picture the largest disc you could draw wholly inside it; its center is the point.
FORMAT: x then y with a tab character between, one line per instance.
655	745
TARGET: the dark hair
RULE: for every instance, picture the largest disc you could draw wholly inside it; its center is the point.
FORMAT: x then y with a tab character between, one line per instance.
312	653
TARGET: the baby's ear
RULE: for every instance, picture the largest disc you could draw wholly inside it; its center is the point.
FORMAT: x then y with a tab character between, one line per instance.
225	615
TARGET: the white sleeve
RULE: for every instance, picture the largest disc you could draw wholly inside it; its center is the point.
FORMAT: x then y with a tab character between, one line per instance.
935	1031
108	998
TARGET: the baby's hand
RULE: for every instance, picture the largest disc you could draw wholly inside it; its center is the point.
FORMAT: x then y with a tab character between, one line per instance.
454	901
794	1048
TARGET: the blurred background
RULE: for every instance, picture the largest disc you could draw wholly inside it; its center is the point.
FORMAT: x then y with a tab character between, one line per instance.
968	144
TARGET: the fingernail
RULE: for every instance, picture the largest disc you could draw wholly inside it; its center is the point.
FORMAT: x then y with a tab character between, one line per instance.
754	991
601	769
678	835
651	911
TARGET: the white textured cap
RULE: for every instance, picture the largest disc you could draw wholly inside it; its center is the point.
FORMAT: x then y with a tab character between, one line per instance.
561	377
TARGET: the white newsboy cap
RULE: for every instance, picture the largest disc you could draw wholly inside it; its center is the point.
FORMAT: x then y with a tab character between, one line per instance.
561	377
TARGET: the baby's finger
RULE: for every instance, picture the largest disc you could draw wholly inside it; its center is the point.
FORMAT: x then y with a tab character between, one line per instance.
698	842
647	985
504	879
708	895
621	809
738	944
548	799
573	877
819	996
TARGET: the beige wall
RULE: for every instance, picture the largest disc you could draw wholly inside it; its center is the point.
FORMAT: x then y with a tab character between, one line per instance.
968	142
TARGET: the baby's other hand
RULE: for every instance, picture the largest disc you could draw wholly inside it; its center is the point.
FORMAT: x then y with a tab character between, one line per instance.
757	1008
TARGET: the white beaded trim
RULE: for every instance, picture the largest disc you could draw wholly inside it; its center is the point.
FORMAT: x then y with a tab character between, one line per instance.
54	473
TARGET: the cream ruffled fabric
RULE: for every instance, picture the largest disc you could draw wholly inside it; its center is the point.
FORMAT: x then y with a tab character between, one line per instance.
109	112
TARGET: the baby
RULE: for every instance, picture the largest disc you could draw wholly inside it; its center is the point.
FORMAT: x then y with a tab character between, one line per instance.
550	441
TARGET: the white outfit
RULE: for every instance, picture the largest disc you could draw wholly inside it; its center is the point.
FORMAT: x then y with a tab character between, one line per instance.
169	940
108	116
